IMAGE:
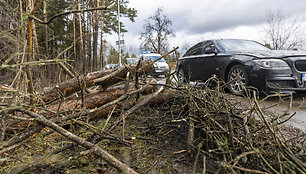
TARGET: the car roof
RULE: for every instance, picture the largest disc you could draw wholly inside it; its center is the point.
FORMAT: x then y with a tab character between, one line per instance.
152	54
229	39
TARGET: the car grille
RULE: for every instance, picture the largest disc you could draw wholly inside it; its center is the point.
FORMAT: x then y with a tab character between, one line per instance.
300	65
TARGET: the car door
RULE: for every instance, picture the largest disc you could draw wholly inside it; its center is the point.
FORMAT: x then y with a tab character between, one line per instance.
190	60
211	62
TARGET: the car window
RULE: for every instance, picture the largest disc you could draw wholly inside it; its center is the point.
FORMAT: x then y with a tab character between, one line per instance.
154	58
240	45
131	60
208	46
195	50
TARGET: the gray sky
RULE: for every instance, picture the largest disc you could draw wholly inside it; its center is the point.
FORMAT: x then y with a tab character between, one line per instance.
197	20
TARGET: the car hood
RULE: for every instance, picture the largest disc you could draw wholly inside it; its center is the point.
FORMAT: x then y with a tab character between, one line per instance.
270	53
161	64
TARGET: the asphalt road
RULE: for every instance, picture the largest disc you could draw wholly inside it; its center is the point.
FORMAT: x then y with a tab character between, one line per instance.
298	110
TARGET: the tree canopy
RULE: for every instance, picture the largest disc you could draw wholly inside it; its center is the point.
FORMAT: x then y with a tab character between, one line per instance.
157	30
282	32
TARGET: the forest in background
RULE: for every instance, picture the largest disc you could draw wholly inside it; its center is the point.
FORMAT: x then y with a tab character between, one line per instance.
45	32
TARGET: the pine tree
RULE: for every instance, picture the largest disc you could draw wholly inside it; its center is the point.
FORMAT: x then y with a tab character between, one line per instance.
133	55
112	56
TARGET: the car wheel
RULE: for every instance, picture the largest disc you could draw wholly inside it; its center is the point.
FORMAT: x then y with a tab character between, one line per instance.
181	76
239	79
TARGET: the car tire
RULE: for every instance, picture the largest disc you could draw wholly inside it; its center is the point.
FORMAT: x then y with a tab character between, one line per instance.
181	76
238	87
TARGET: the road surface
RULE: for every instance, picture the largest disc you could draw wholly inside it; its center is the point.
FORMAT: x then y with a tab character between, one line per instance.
298	108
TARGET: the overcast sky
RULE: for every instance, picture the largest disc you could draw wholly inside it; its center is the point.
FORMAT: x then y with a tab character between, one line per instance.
197	20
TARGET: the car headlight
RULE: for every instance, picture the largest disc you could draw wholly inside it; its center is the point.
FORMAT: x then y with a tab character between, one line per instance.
271	63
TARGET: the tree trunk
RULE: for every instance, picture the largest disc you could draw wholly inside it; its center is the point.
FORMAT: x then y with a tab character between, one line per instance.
88	44
102	47
35	40
30	42
85	59
74	33
81	56
103	78
95	99
21	19
46	38
95	37
46	29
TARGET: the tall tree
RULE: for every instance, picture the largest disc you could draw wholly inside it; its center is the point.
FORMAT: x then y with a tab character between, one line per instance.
112	55
133	55
74	30
282	31
95	34
127	55
46	28
81	35
157	30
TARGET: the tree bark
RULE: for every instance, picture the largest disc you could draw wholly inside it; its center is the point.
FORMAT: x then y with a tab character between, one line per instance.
102	47
46	29
90	29
81	38
104	78
95	37
21	19
29	50
46	38
97	98
35	40
74	33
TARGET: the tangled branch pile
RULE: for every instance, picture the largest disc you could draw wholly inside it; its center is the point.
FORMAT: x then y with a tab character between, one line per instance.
57	106
113	117
233	136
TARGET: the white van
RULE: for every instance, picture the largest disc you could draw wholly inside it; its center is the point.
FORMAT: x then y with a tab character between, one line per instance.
132	60
161	67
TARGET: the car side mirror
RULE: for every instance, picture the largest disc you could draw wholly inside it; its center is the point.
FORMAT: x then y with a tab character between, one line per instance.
210	51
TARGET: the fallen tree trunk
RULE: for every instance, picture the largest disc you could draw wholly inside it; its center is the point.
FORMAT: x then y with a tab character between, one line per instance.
103	78
96	99
91	101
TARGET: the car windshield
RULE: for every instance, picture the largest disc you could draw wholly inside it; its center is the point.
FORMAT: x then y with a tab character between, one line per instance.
240	45
154	58
131	61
